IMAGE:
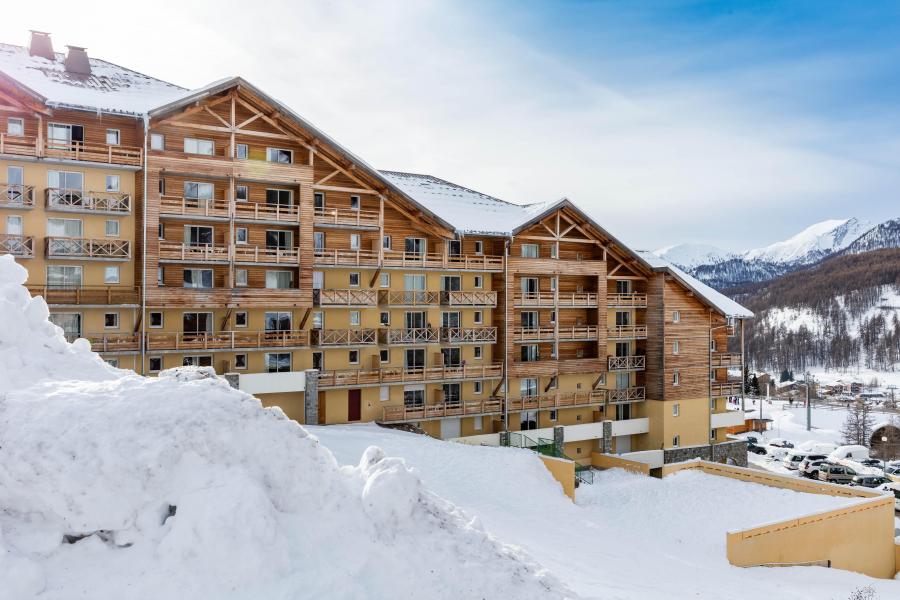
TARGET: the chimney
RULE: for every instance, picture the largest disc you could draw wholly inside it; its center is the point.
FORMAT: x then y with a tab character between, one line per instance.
40	45
77	62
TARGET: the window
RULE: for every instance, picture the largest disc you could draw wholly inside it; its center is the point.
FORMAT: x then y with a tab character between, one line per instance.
623	286
712	375
111	274
240	235
240	277
278	362
69	228
198	191
354	241
676	316
161	232
354	318
479	282
386	242
279	279
476	387
62	135
552	316
479	247
353	357
530	353
553	250
676	440
318	361
413	397
676	409
111	320
157	141
676	346
318	319
241	193
622	318
162	186
384	356
240	361
155	364
156	319
712	345
676	379
279	197
712	404
385	280
279	239
476	424
414	246
385	318
70	323
553	415
319	200
354	279
64	276
354	202
66	185
242	151
160	276
197	361
198	278
112	228
112	137
278	155
112	183
477	317
414	358
15	126
14	225
318	240
278	321
240	319
384	393
530	251
15	185
454	248
318	280
479	352
195	146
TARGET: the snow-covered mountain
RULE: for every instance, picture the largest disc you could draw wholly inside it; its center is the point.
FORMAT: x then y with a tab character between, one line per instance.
688	256
813	243
883	235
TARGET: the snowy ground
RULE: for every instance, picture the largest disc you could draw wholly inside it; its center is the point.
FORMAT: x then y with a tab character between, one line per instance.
627	536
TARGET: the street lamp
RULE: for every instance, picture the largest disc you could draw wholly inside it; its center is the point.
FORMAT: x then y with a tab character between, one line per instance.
805	384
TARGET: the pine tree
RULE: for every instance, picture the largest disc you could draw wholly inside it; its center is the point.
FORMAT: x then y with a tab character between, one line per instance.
857	428
754	385
785	376
746	379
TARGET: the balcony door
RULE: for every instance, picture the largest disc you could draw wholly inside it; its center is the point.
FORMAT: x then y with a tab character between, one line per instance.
64	276
414	288
66	188
528	420
452	393
414	358
623	286
414	397
454	248
70	323
415	246
281	240
450	320
529	319
623	349
15	185
530	287
451	283
63	137
528	387
415	320
279	197
623	381
623	318
197	235
451	357
278	321
196	323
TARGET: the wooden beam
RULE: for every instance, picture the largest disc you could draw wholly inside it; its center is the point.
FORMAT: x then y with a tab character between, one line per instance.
335	188
327	177
220	119
305	317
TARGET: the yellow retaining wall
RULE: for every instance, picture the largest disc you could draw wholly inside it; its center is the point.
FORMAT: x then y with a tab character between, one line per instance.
563	471
609	461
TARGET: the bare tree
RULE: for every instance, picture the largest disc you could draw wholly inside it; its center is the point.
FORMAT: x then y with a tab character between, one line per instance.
857	428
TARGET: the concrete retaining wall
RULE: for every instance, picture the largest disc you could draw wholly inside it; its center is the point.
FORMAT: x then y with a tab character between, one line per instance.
611	461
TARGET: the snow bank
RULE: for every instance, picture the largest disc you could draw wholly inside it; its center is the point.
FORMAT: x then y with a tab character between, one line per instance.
114	485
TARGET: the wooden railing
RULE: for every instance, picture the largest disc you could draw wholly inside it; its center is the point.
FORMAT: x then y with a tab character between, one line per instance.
103	153
418	335
356	377
349	258
195	207
344	337
61	247
627	300
725	388
227	340
346	216
113	342
442	409
626	332
82	201
626	363
549	333
557	400
724	359
16	196
473	298
87	295
193	253
17	245
409	298
20	145
349	297
263	211
264	254
469	335
551	299
424	260
625	395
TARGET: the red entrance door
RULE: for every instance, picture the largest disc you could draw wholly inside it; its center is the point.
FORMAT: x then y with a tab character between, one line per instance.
354	405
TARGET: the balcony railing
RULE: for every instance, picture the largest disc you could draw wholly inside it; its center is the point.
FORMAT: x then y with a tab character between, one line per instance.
349	297
264	254
418	335
442	409
61	247
113	342
87	295
264	211
193	252
549	333
473	298
724	359
14	195
357	377
562	300
72	200
20	145
626	395
102	153
414	260
17	245
469	335
627	332
348	258
725	388
344	337
627	300
194	207
626	363
409	298
557	400
346	216
226	340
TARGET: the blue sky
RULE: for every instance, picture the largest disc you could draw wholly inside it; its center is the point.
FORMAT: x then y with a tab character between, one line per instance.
730	123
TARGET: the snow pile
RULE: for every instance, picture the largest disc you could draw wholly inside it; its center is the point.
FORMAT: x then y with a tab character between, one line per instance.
114	485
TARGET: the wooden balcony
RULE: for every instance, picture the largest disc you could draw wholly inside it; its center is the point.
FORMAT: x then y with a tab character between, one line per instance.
87	295
345	258
626	300
549	333
552	300
412	298
412	260
394	414
265	212
469	335
626	363
626	395
87	249
245	254
19	197
557	400
177	206
547	366
473	298
719	389
347	218
627	332
189	253
724	359
418	335
351	297
18	145
113	342
100	153
345	337
357	377
21	246
80	201
228	340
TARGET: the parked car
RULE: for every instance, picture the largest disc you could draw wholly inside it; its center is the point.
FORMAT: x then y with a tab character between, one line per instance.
857	453
836	473
872	462
895	488
793	459
781	443
752	439
809	466
869	481
752	447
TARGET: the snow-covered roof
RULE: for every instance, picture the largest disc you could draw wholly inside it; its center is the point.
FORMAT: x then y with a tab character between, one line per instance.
717	300
109	88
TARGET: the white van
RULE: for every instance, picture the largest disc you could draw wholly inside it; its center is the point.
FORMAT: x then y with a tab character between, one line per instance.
793	459
854	453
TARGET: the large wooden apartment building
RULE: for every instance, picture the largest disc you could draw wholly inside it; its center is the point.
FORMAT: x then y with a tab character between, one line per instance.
216	227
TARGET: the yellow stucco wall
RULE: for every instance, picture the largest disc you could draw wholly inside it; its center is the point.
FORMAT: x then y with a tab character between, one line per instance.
563	471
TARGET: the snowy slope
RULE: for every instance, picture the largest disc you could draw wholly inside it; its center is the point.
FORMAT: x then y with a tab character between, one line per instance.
688	256
117	486
813	243
883	235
